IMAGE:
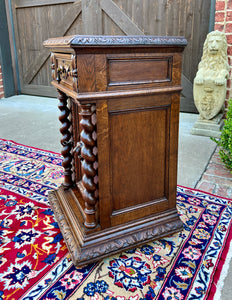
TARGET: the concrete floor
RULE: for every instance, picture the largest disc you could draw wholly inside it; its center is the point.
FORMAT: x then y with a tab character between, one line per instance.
33	121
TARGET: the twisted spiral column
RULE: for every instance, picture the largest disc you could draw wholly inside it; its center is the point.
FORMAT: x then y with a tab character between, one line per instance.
89	172
66	140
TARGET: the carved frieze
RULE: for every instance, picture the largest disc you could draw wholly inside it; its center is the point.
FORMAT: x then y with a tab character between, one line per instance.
91	40
79	40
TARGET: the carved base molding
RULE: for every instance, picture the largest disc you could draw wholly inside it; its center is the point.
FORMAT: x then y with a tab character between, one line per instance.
86	246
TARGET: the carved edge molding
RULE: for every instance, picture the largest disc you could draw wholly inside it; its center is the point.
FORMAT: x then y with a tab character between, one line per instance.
63	224
86	254
79	40
58	41
109	247
92	40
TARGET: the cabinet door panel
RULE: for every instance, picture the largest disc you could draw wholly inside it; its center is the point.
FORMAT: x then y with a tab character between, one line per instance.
139	142
137	157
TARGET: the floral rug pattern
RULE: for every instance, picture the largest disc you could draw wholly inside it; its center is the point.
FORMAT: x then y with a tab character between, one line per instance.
35	264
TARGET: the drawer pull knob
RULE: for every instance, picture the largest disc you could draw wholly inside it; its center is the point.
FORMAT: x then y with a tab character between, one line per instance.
63	71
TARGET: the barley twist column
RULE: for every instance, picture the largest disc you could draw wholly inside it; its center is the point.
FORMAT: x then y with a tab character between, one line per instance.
89	172
66	140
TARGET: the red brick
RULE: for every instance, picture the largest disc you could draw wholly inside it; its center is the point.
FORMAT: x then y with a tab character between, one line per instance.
220	5
229	38
219	16
217	180
229	15
219	27
229	51
229	27
229	4
216	158
206	186
218	170
1	89
223	191
229	83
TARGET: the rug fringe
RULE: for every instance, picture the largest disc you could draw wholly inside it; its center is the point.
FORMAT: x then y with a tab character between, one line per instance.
223	275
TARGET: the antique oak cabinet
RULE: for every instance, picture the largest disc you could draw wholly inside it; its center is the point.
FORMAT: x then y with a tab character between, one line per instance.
119	101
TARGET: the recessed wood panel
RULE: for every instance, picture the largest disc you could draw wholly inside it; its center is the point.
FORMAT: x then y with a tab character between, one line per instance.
139	70
138	150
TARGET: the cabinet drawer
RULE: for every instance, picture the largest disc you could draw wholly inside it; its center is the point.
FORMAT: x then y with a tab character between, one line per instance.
64	70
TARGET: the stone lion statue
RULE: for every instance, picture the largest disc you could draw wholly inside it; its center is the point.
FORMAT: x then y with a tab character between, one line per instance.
209	88
214	62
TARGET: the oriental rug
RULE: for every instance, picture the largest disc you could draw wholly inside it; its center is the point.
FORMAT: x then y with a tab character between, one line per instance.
35	264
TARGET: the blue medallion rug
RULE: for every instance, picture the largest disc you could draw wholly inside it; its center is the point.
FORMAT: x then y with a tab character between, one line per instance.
35	264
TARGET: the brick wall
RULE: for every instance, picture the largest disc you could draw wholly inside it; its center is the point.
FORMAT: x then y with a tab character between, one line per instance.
1	83
223	22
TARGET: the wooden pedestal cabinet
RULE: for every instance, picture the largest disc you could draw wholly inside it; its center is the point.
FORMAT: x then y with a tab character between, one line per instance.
119	101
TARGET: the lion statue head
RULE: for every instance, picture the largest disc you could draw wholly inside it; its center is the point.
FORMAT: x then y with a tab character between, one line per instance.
214	62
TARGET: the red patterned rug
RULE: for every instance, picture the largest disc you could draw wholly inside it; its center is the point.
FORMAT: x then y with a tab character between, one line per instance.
35	264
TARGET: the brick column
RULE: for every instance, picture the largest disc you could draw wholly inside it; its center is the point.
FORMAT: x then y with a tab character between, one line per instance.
223	22
1	83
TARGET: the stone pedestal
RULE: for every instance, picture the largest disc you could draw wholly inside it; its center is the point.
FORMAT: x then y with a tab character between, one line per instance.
211	128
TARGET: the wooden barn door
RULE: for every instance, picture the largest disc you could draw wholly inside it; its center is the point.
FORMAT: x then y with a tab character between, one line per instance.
34	22
37	20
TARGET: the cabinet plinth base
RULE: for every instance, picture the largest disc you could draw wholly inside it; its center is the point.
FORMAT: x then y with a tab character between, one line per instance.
86	246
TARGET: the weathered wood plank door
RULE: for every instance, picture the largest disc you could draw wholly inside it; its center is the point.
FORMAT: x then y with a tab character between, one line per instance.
35	21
